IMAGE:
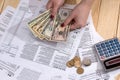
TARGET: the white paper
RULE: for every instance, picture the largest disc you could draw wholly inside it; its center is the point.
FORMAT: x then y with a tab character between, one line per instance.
5	19
20	46
24	57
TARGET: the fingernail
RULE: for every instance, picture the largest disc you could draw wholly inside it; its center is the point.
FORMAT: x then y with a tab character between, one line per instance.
52	17
73	21
62	25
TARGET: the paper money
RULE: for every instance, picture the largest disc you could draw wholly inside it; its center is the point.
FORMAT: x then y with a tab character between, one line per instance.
37	19
49	29
60	33
39	27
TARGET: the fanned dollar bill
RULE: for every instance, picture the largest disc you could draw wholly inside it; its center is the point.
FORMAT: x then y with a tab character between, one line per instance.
37	19
60	33
40	26
32	24
49	29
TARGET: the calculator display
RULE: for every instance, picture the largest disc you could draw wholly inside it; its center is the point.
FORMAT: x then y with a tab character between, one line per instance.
112	63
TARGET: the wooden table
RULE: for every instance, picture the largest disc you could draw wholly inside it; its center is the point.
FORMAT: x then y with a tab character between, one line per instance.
105	13
106	17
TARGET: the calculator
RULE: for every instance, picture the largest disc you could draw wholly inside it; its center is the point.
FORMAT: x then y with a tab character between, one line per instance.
108	52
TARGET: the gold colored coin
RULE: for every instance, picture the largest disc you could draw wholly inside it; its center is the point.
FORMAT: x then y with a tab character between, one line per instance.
117	77
70	63
77	62
76	58
80	70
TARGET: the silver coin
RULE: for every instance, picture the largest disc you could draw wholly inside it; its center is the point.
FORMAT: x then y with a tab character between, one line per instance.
86	61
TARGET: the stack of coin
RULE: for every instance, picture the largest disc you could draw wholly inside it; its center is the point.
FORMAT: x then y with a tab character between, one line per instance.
75	62
117	77
70	63
80	70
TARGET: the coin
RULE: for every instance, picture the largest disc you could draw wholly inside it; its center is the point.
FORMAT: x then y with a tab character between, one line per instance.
117	77
86	61
80	70
77	62
70	63
76	58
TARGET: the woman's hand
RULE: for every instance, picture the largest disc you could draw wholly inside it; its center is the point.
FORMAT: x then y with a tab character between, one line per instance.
54	5
79	15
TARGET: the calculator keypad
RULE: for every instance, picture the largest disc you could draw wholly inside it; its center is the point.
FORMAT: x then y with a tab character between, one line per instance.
108	48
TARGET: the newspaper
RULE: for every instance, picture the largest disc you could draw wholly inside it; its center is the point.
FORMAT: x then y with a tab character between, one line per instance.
5	19
24	57
19	46
86	49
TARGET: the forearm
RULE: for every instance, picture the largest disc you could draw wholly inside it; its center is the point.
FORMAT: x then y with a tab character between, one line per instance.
87	2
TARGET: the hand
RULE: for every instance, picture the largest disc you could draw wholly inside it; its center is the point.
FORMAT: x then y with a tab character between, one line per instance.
54	5
78	16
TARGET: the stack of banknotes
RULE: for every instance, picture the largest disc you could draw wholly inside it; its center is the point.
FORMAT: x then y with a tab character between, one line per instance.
45	28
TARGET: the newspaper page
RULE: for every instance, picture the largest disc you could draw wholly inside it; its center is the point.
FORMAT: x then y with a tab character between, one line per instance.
25	57
87	50
18	44
5	19
14	71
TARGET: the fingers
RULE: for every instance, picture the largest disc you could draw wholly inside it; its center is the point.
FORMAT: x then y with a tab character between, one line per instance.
49	5
67	21
54	10
75	26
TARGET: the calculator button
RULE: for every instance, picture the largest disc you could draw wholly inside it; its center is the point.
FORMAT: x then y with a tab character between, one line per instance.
112	54
116	40
111	41
98	45
106	43
107	55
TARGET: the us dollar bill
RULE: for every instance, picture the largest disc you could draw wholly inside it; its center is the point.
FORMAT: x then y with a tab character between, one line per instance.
60	33
51	30
39	30
38	23
48	30
37	19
